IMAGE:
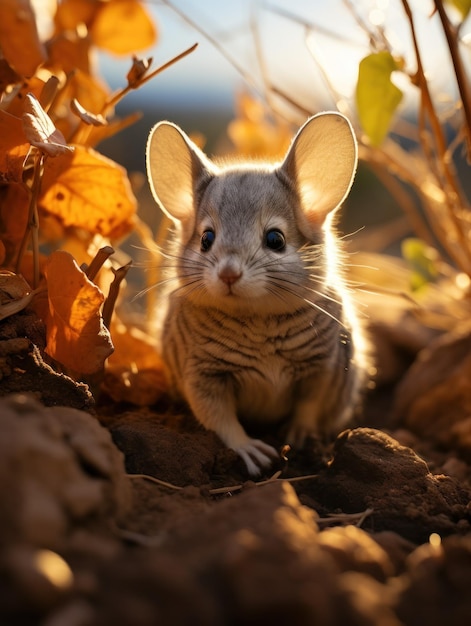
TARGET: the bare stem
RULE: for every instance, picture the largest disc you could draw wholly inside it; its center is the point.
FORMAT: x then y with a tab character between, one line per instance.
32	227
403	198
119	95
108	306
453	196
99	259
451	34
213	41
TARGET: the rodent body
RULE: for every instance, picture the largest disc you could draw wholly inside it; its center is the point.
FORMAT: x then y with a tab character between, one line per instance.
259	325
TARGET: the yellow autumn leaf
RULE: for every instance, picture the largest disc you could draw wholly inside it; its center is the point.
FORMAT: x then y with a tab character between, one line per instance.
377	97
462	6
123	27
19	39
86	190
75	333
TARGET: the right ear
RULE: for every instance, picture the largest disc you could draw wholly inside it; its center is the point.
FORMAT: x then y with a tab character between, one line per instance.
174	166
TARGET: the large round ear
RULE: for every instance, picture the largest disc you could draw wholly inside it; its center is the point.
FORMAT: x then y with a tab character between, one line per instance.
174	167
321	162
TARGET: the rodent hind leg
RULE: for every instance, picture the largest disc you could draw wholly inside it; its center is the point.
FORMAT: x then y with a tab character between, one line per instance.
311	416
324	408
212	403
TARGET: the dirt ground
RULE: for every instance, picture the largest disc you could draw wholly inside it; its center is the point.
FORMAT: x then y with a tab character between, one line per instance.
370	529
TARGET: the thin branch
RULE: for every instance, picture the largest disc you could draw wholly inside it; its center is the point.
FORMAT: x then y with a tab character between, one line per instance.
405	201
309	25
349	518
213	41
32	227
157	481
272	479
453	195
109	304
451	34
97	262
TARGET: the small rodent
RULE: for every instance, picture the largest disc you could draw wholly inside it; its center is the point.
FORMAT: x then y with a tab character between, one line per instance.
260	324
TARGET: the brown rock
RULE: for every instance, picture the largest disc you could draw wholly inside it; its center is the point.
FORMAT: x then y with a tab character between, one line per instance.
434	398
58	469
370	470
435	588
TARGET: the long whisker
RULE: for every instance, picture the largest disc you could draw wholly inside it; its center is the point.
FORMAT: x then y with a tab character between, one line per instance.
321	294
309	302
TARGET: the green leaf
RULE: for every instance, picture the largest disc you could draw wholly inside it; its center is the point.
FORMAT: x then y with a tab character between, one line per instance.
377	98
463	6
422	260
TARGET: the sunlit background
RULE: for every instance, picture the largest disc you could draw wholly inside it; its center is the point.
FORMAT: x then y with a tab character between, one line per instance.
300	47
305	50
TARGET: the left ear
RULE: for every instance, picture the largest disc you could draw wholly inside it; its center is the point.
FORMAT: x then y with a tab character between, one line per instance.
321	163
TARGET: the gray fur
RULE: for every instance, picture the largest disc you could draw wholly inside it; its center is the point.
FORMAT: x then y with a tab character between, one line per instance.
250	332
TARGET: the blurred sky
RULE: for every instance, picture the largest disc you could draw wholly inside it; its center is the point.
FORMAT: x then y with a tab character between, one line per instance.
292	45
270	43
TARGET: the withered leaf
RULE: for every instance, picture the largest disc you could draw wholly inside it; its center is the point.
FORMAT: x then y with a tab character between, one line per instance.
19	37
14	103
76	335
14	211
86	116
71	13
123	27
138	70
86	190
99	133
8	76
15	293
13	148
134	372
69	51
40	130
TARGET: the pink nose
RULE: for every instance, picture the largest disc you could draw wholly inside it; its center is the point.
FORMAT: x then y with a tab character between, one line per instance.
229	276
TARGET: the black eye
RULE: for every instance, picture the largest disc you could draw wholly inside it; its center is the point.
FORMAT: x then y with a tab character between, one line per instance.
275	240
207	240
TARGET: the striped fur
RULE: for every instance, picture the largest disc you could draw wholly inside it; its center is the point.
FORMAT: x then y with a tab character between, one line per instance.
253	333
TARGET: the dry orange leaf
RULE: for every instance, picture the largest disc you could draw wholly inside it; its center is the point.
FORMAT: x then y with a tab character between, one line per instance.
8	76
139	69
76	335
135	371
14	212
71	13
13	148
15	102
88	118
123	27
69	51
19	38
15	293
86	190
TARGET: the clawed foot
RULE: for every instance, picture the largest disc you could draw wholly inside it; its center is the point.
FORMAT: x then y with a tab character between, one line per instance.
257	455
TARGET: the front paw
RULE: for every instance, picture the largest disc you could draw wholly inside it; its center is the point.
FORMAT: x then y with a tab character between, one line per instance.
257	455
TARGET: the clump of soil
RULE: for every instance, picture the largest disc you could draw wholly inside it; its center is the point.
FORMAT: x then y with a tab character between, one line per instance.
364	530
116	515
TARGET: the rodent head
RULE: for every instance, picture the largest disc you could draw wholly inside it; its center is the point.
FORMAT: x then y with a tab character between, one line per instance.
252	236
